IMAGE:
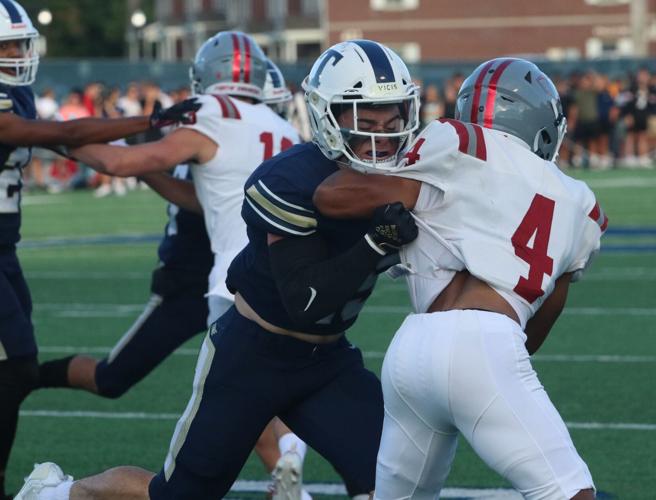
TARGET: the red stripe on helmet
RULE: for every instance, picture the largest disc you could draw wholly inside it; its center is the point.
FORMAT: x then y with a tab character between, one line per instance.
247	64
236	58
492	93
477	92
461	130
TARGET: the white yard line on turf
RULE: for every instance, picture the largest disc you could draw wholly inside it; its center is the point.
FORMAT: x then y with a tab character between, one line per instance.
91	310
174	416
545	358
338	489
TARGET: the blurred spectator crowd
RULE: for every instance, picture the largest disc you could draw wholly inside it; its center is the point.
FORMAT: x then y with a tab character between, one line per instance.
611	123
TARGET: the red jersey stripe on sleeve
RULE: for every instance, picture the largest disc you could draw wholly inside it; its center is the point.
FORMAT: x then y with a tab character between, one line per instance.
481	149
598	215
461	130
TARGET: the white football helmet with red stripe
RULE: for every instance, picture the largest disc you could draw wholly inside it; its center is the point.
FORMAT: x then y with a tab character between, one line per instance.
357	74
229	63
15	25
515	96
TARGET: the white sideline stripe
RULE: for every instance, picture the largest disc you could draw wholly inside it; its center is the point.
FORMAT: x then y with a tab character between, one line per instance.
545	358
175	416
338	489
608	274
92	275
621	183
93	310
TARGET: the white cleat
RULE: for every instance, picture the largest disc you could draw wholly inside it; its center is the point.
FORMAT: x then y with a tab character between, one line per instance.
45	476
288	477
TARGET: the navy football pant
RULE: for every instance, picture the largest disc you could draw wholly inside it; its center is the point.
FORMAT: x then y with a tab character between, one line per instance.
18	366
244	377
165	324
16	330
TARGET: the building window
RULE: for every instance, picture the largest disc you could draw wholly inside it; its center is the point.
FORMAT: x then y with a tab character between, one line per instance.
606	3
393	4
410	52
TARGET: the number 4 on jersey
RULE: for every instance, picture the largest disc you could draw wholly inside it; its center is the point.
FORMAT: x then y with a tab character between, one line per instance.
537	221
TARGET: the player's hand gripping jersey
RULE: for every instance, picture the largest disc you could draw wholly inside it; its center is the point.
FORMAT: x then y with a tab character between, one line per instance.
246	135
19	100
492	206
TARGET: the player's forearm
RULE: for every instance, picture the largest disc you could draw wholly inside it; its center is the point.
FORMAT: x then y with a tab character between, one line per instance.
347	194
538	327
122	161
98	130
177	191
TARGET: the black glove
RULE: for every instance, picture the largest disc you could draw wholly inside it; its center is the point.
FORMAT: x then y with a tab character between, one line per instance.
392	227
182	112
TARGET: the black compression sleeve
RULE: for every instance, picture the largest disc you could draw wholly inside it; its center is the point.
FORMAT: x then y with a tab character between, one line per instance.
301	265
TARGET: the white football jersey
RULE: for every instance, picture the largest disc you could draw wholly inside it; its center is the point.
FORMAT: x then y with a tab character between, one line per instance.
246	135
490	205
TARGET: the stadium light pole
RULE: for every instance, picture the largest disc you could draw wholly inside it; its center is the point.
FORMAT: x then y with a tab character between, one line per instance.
137	22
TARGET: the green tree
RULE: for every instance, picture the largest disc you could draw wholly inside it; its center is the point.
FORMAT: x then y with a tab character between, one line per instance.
84	28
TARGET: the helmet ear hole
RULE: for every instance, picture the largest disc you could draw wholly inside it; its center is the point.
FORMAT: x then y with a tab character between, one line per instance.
546	138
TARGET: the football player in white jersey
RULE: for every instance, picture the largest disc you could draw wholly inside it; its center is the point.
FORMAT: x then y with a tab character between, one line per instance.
232	133
503	232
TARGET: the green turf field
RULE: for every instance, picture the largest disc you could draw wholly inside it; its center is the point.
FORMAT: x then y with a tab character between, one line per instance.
599	365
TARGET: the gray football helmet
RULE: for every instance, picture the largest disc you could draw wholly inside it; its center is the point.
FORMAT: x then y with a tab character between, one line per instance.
276	93
229	63
515	96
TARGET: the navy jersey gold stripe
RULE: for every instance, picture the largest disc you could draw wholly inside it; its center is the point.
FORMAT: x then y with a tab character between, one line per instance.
279	213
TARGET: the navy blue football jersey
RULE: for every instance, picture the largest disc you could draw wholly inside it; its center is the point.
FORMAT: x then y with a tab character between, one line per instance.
18	100
278	200
185	245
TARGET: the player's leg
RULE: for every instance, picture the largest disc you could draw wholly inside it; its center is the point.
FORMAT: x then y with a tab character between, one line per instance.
341	418
48	482
18	366
165	324
419	439
234	398
287	473
504	412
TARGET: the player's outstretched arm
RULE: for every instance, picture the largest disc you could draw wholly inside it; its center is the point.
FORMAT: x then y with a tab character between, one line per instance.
21	132
180	146
349	194
180	192
539	326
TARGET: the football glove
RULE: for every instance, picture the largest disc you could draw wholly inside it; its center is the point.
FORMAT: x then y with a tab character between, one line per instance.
392	227
182	112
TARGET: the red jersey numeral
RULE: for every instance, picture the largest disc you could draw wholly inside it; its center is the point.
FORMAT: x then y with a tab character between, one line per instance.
413	155
266	138
537	221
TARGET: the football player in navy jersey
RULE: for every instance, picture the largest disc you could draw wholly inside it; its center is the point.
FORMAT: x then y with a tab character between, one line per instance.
19	130
299	284
176	311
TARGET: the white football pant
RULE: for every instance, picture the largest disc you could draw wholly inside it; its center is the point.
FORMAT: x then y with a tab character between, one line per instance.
469	372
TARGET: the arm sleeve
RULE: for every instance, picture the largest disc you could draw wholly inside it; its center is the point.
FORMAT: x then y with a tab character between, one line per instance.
210	118
590	237
274	205
313	285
